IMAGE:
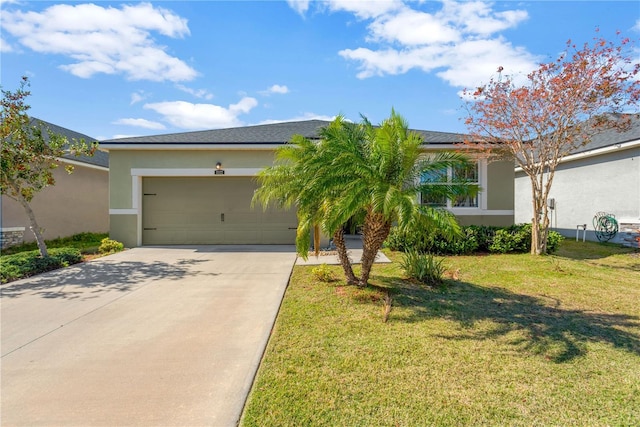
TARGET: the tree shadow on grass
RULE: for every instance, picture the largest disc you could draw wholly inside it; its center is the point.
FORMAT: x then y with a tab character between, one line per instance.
538	325
87	280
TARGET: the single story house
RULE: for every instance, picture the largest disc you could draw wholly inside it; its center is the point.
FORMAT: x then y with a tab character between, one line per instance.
196	187
601	176
76	203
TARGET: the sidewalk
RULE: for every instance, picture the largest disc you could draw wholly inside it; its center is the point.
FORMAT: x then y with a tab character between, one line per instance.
354	246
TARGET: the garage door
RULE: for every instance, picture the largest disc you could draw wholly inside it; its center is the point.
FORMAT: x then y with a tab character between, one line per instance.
211	210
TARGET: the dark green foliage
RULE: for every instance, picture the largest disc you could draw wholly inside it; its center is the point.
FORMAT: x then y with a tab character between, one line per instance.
553	241
425	268
474	239
86	242
516	238
25	264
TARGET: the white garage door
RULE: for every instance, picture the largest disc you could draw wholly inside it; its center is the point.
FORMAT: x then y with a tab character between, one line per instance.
210	210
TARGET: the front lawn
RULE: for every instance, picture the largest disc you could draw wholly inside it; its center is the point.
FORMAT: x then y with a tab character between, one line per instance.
516	340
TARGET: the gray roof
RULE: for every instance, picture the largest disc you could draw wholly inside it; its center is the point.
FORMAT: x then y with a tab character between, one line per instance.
276	133
611	137
99	158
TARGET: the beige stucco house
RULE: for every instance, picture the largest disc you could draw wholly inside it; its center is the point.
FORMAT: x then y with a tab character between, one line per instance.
196	187
76	203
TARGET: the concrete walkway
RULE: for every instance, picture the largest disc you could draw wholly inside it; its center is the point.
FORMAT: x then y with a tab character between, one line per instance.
354	246
147	337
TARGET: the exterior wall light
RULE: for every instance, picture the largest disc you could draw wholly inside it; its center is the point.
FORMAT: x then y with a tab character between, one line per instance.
219	170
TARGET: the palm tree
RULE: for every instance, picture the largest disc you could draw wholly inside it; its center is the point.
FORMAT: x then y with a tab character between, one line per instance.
297	179
361	169
380	174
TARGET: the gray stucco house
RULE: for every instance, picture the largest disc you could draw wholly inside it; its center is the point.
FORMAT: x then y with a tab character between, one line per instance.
76	203
196	187
601	176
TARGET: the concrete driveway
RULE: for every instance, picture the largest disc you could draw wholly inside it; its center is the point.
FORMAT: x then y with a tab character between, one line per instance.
150	336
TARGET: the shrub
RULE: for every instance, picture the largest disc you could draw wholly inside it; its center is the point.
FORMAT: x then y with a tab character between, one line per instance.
323	273
425	268
431	241
483	235
26	264
108	246
515	238
83	241
553	241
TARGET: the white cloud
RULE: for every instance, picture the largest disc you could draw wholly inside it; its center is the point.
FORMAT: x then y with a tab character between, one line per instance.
138	96
478	17
4	46
186	115
300	6
141	123
637	26
279	89
198	93
365	9
104	39
411	27
460	42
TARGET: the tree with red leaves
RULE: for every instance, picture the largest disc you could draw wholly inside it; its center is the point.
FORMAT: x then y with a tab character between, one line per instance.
558	109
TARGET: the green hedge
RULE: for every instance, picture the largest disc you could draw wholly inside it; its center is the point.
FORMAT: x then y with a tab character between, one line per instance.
474	239
86	242
25	264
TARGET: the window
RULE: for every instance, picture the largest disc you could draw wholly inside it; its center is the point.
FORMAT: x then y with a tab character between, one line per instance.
433	198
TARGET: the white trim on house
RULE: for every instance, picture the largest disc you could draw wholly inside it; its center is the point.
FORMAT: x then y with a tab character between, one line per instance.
9	229
253	147
194	172
83	164
597	152
445	147
203	146
478	212
123	211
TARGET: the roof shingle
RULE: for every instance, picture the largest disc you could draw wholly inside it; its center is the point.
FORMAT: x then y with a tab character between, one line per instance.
99	158
276	133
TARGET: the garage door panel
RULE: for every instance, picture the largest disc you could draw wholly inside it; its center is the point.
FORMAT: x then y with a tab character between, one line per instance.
210	211
275	237
203	237
241	218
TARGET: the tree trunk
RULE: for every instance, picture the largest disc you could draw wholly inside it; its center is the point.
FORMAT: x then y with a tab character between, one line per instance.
316	239
539	203
34	224
343	256
376	230
540	221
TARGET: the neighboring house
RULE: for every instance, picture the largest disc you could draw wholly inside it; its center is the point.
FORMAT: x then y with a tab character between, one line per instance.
76	203
602	176
196	187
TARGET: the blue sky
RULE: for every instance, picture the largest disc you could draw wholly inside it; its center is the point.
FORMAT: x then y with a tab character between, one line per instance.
112	69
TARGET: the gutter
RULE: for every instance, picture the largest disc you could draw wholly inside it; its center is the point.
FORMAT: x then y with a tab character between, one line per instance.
83	164
597	152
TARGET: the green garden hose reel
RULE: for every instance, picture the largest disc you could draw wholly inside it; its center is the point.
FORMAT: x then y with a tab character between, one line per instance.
605	226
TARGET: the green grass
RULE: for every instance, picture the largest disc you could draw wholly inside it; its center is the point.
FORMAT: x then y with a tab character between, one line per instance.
517	340
85	242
